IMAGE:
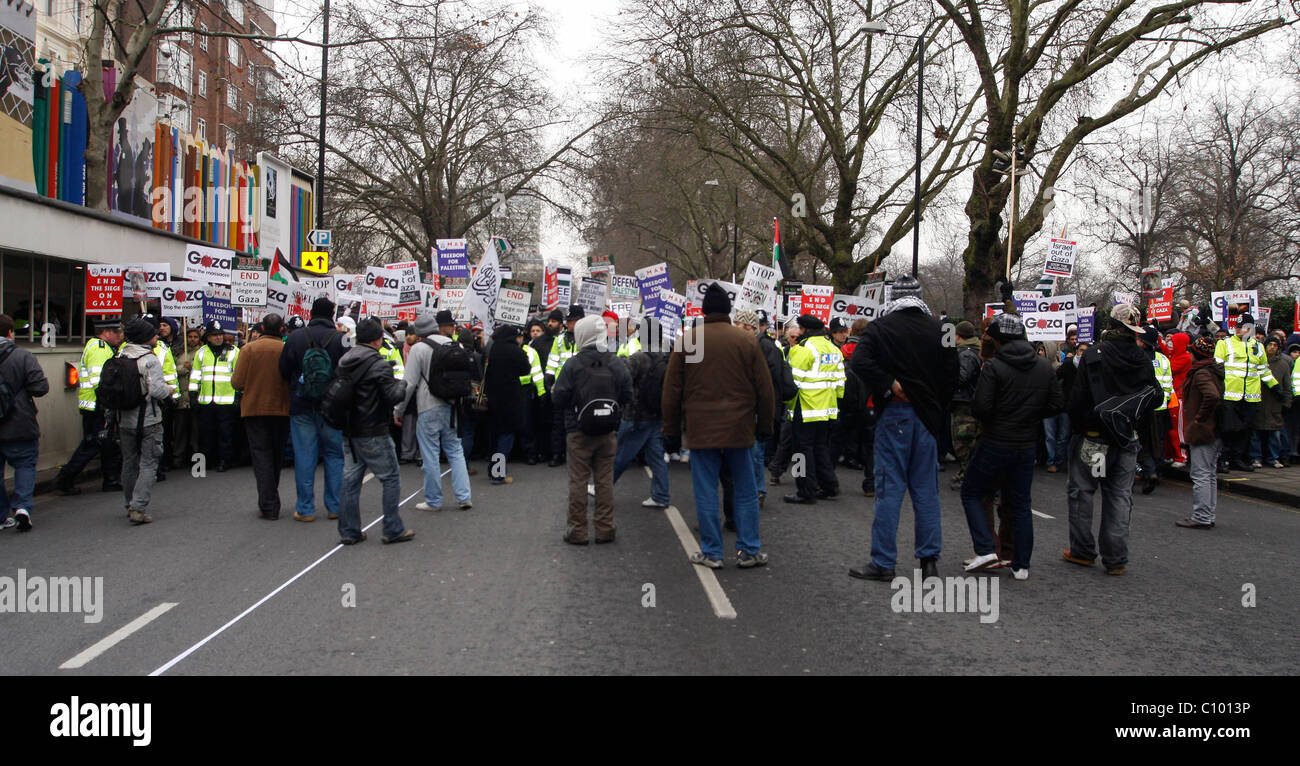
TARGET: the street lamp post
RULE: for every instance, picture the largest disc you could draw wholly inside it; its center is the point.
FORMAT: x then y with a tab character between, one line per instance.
320	160
877	27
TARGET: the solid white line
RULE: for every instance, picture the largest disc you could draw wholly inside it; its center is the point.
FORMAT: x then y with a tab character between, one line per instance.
717	596
649	474
1041	515
116	637
171	663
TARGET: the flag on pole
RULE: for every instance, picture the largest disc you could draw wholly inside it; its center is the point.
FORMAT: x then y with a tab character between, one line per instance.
779	261
502	246
1046	284
282	271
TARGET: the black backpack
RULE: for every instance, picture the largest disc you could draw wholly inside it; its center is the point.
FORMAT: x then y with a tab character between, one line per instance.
596	399
1119	414
8	397
339	400
650	388
119	384
451	371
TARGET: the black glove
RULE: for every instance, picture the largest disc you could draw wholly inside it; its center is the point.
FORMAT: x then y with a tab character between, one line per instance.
194	398
763	433
672	444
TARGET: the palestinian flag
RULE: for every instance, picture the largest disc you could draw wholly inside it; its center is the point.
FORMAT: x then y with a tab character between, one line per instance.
502	246
778	257
281	271
1045	285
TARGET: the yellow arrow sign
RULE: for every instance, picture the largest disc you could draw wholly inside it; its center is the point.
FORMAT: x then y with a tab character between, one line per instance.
316	261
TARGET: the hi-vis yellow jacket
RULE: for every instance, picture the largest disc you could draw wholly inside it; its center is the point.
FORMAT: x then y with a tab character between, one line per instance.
818	368
1245	366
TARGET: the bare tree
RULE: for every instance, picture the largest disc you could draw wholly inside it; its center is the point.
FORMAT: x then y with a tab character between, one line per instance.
1045	68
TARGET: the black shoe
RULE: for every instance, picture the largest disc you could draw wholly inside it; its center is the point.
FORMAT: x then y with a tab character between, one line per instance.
800	500
159	477
1242	465
268	516
69	490
870	571
1223	468
555	463
1149	485
571	541
602	540
824	495
532	460
929	567
112	486
223	466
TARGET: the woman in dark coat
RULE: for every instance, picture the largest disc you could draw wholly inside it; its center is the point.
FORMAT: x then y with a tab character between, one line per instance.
1270	416
506	364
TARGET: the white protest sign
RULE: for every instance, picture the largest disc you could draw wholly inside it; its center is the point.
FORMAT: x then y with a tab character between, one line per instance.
1060	258
248	281
348	288
624	288
208	264
1046	326
592	296
183	300
759	283
851	307
1067	304
156	274
696	288
408	282
513	298
381	285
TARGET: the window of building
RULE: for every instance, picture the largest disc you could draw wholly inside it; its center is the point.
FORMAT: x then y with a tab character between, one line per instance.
232	95
236	8
230	139
203	84
37	291
175	66
203	36
232	50
201	129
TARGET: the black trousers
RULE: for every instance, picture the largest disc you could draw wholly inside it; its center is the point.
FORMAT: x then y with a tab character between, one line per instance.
1237	443
267	436
183	432
169	434
110	456
557	435
217	432
542	418
812	440
780	459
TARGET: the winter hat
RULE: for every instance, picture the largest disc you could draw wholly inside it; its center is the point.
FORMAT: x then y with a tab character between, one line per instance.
1150	336
609	315
294	323
369	330
837	325
1006	328
506	332
214	329
534	323
1293	347
810	322
576	312
425	325
349	325
965	329
588	331
1127	317
716	300
762	317
1203	347
151	319
322	308
443	318
747	317
140	331
1245	319
906	287
1273	340
555	314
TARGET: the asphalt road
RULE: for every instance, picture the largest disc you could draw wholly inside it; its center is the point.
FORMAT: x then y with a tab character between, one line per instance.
494	590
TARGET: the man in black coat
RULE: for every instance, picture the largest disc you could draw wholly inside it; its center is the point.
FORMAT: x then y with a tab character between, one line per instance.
910	374
309	432
507	408
366	443
1015	391
19	432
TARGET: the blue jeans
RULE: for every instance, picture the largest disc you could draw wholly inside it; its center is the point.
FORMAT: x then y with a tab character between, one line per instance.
1273	444
379	455
22	456
760	460
434	432
1057	432
1013	471
505	443
706	465
310	437
906	462
633	438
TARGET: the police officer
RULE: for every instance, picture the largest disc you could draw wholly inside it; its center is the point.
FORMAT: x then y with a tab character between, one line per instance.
93	417
818	369
563	347
213	396
1245	368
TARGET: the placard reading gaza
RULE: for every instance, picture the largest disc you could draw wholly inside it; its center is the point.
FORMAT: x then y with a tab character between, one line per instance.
381	285
513	298
155	275
208	264
852	307
183	300
408	283
103	289
1046	326
696	288
1064	303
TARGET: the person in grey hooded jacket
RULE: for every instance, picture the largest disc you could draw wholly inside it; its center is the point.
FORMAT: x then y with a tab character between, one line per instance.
141	429
19	432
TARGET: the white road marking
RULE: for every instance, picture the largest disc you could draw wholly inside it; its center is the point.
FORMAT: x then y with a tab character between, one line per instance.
717	596
116	637
1041	515
172	662
648	473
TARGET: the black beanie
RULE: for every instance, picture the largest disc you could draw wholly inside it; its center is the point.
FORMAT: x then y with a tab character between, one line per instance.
716	300
140	331
322	308
555	314
443	318
576	312
810	322
369	330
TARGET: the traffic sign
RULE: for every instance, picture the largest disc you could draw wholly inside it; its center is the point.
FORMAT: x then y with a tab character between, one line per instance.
316	261
319	238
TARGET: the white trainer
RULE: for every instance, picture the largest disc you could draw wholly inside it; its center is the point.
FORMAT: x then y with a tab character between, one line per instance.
425	507
1020	574
982	562
650	502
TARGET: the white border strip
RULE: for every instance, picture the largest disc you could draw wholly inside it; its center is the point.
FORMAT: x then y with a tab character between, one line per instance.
717	596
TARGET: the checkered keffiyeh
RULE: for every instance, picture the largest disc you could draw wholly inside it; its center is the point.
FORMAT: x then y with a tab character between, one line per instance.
1006	327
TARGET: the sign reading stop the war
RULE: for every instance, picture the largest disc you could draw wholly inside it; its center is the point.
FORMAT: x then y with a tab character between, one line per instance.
1060	258
513	298
381	285
816	301
183	300
103	289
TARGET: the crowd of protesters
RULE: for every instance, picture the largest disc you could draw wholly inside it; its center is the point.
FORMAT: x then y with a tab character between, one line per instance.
901	398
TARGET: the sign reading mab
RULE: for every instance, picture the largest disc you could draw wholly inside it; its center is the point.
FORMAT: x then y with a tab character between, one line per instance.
652	279
103	289
453	258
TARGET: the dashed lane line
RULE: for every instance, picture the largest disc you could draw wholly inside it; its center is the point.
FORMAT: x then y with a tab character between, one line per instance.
116	637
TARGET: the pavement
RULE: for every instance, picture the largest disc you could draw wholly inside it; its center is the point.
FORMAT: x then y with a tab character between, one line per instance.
210	589
1276	485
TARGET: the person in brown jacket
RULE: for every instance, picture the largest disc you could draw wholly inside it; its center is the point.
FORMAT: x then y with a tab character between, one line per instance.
1201	395
264	408
717	398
